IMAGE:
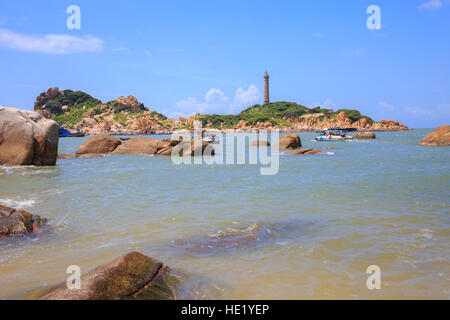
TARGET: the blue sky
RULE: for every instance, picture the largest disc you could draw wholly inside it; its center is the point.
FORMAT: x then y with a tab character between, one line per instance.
182	57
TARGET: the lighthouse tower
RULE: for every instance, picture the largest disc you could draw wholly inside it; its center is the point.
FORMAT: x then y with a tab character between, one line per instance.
266	88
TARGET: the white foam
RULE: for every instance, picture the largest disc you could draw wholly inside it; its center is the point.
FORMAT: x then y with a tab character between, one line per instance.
18	204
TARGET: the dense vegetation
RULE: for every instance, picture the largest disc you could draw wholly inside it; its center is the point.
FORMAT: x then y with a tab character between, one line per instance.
276	113
68	98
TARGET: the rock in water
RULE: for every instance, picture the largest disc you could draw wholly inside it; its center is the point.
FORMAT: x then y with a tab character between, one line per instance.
138	145
259	143
364	135
304	152
289	141
27	138
132	276
16	222
101	143
439	137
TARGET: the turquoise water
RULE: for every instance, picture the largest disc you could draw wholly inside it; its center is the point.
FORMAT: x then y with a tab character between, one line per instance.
325	219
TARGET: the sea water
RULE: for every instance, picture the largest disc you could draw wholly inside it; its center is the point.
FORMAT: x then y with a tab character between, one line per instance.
321	221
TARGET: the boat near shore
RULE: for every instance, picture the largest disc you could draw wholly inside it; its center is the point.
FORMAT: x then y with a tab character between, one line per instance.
335	134
64	133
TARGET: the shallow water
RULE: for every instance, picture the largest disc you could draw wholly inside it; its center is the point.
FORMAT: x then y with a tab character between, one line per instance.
324	220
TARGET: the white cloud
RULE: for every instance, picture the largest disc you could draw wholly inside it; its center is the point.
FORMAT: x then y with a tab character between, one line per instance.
431	5
385	105
49	43
216	101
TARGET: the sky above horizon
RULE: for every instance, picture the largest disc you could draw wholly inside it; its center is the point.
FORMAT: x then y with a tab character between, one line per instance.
184	57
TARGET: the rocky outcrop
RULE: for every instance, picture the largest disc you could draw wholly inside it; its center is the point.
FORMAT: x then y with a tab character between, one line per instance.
188	147
439	137
303	152
27	138
132	276
138	145
18	222
289	141
364	135
259	143
101	143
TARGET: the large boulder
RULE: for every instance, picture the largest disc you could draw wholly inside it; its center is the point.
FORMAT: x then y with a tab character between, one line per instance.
439	137
27	138
101	143
139	145
188	147
132	276
364	135
289	141
16	222
304	152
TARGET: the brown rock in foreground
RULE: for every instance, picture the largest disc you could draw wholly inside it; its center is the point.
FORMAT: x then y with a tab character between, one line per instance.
132	276
101	143
27	138
364	135
304	152
439	137
16	222
289	141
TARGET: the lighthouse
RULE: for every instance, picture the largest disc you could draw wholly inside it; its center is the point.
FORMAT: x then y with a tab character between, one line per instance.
266	88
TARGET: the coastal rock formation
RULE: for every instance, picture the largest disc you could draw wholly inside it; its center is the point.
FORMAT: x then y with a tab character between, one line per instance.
132	276
439	137
188	147
289	141
27	138
304	152
17	222
138	145
99	144
259	143
364	135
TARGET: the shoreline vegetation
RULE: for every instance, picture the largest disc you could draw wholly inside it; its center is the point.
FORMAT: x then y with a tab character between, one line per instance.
77	110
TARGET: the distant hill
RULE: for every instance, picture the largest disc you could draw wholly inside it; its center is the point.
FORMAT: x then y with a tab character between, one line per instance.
79	110
280	113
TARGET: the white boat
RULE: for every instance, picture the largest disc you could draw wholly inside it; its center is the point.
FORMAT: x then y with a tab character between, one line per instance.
212	138
335	134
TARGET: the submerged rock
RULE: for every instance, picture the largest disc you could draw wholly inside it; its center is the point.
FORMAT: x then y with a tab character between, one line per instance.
289	141
439	137
66	156
364	135
239	238
132	276
304	152
17	222
101	143
27	138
